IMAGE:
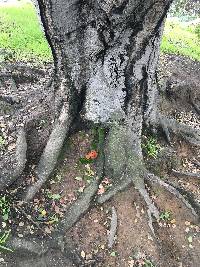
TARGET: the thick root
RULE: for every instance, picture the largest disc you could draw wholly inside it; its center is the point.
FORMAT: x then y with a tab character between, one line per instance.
33	246
195	106
113	228
120	186
51	152
150	205
172	190
186	174
9	176
79	207
191	134
37	249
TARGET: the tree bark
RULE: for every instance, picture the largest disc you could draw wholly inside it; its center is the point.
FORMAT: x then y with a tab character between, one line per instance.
107	51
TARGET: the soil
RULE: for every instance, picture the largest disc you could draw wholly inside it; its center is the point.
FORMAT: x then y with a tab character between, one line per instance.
25	98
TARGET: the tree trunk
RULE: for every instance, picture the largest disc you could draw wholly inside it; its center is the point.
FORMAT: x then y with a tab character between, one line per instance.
106	51
105	55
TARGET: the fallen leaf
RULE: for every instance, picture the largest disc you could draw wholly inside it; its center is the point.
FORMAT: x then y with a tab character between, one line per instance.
190	239
113	254
21	224
43	212
173	221
47	230
187	223
20	235
101	191
11	146
187	229
82	254
78	178
57	209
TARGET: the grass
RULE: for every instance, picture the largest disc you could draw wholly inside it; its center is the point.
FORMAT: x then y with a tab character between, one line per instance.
20	34
3	240
151	147
181	39
22	39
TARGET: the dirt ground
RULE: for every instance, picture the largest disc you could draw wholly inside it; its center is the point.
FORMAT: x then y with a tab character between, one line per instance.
24	97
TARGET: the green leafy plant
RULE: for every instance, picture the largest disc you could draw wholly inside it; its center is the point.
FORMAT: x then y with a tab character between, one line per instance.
3	240
53	219
148	263
4	208
53	196
85	161
165	215
151	147
2	141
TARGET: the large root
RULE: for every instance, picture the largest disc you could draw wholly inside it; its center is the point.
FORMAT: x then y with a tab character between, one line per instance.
79	207
172	190
7	177
51	152
186	174
191	134
38	249
120	186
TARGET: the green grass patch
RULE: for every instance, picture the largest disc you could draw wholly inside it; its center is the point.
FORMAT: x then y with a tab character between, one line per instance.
21	37
181	39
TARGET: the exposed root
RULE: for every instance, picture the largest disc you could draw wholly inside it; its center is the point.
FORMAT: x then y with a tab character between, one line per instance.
186	174
197	163
172	190
120	186
113	228
9	176
197	109
9	99
34	246
79	207
150	205
191	134
51	152
38	248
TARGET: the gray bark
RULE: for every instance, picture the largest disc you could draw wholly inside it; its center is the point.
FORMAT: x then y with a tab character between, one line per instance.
107	53
108	50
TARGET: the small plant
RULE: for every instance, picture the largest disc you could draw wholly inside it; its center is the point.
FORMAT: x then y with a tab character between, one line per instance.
3	240
53	196
53	219
151	147
4	208
165	215
2	141
140	260
148	263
